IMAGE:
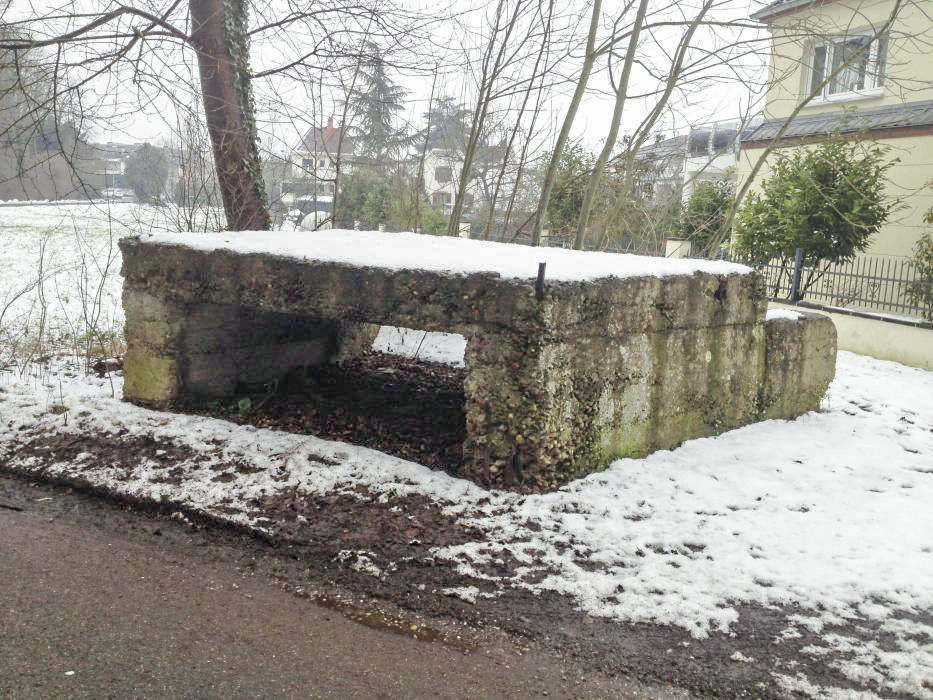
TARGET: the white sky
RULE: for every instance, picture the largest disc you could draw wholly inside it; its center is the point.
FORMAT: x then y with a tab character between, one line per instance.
135	114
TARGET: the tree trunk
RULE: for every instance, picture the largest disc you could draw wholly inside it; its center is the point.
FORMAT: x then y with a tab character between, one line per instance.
593	185
487	77
545	46
551	172
218	33
419	183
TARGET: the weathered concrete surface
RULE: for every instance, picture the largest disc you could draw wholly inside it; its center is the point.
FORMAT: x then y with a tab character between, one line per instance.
556	386
207	349
801	363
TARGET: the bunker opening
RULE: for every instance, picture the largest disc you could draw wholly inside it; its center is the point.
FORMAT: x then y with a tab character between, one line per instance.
404	396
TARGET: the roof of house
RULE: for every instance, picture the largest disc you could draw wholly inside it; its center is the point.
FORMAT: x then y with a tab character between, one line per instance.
694	143
325	139
673	147
897	116
779	7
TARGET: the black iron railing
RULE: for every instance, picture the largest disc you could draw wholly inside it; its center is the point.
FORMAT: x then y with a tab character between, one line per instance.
869	283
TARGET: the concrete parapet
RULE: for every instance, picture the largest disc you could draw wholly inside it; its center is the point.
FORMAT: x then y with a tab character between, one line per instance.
557	384
801	362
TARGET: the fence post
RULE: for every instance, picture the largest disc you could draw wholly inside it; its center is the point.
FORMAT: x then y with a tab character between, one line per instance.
795	282
539	284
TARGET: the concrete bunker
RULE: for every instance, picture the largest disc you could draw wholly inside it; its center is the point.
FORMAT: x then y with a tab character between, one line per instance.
616	356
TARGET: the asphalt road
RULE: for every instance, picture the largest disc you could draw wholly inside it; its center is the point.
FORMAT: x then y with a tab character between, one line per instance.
89	609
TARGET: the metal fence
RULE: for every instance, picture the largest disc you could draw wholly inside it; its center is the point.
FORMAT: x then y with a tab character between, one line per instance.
870	283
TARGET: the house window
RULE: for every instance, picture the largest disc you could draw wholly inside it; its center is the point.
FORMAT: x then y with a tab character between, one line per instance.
440	199
443	174
856	64
307	163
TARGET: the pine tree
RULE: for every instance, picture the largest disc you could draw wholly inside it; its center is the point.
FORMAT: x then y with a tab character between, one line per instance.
449	123
376	105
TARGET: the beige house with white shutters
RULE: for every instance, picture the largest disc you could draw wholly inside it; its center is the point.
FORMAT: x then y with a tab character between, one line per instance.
869	66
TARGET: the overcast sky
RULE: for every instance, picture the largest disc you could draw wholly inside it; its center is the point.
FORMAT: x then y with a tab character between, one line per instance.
720	98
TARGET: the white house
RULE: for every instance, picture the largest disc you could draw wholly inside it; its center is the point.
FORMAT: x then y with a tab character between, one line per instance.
313	167
674	167
441	179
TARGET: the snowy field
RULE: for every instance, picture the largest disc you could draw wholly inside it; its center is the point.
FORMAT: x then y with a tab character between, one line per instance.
829	516
59	277
59	274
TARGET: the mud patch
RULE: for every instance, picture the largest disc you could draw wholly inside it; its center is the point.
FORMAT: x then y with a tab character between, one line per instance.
369	556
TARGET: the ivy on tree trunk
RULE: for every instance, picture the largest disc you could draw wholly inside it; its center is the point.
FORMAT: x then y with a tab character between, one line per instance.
219	35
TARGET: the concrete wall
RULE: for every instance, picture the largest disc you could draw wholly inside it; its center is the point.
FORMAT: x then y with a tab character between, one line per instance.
908	345
557	383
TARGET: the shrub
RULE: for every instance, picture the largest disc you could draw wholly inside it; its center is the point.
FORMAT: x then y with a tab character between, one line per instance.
828	200
702	218
920	291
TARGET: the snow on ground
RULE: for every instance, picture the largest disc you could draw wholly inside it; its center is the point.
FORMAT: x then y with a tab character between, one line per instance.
443	348
407	251
72	250
829	514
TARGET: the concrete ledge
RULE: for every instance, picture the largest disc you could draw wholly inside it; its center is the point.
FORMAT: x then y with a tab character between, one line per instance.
801	364
908	345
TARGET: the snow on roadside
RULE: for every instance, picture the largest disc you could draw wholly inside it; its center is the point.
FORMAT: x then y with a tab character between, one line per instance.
828	514
830	510
276	461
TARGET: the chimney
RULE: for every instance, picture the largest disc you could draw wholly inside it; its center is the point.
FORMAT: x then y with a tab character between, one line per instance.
330	127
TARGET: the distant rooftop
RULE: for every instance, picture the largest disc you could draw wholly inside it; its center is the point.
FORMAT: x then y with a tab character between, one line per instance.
706	140
326	139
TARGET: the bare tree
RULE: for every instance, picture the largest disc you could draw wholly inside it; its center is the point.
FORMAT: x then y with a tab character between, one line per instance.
516	127
609	145
589	59
125	44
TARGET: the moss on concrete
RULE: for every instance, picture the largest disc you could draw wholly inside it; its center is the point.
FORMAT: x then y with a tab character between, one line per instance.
150	378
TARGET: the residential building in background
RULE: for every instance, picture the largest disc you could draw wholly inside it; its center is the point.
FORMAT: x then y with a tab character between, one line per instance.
441	179
672	168
309	184
106	170
306	180
885	95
